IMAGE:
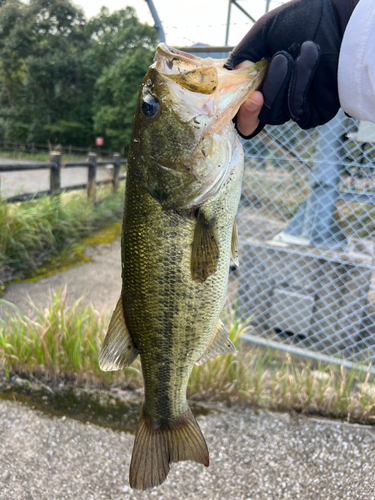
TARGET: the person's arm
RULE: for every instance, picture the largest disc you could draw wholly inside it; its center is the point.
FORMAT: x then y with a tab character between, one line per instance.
302	39
356	75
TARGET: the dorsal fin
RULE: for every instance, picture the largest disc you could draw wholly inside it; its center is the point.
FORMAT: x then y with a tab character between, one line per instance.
118	349
205	249
220	344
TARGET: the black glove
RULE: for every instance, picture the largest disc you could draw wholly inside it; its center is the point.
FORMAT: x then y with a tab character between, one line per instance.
302	39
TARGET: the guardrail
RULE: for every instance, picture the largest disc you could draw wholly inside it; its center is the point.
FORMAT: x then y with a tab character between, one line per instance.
55	165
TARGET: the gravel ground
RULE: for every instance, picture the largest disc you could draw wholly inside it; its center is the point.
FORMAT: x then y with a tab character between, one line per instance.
254	455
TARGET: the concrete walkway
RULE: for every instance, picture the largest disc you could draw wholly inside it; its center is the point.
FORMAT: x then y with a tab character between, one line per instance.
253	456
98	281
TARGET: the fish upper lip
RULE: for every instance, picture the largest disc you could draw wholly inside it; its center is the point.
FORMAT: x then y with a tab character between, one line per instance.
173	51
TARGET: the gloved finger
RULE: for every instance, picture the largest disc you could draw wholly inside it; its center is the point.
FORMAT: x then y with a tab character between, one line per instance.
305	67
275	90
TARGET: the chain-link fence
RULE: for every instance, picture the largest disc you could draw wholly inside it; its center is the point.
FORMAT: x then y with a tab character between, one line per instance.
306	233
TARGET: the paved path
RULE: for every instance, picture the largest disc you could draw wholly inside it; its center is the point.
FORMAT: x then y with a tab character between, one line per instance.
13	183
253	456
99	281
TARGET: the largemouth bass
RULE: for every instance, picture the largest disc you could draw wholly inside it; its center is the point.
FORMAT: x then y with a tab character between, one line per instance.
183	186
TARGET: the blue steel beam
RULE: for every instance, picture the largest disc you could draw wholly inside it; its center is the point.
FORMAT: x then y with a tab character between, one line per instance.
229	13
158	26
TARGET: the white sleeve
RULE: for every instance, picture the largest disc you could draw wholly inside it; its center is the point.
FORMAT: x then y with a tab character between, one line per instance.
356	76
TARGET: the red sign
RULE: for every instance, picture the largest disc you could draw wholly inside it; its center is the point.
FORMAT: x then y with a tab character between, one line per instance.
99	141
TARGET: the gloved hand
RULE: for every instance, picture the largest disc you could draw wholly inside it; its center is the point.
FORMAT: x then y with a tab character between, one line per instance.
302	39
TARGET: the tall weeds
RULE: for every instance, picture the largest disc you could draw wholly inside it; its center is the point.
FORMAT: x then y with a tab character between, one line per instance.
61	340
64	340
34	228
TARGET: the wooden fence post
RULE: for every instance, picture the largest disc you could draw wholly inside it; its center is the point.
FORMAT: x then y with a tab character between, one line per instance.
91	181
116	170
54	179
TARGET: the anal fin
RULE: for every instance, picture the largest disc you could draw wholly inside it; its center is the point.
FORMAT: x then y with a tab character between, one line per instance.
234	245
205	249
118	349
220	344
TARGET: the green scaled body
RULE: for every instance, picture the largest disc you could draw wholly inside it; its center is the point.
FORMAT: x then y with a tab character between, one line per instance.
171	316
183	187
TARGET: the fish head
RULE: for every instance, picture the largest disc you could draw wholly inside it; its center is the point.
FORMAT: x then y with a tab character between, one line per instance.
180	129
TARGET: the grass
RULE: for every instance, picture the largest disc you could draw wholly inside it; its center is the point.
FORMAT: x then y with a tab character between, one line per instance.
34	229
64	340
264	379
61	340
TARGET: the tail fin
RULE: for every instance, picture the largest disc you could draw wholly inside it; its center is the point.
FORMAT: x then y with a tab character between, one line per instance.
156	447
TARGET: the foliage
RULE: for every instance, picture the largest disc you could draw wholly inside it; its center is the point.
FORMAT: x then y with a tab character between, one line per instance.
115	107
63	339
51	62
116	90
35	228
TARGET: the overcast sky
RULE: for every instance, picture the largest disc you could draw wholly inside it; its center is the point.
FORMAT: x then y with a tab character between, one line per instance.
186	22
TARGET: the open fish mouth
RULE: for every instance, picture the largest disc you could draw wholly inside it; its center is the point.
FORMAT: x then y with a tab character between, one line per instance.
214	91
183	124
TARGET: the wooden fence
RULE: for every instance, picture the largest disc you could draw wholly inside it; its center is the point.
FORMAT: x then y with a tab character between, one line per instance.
55	165
34	148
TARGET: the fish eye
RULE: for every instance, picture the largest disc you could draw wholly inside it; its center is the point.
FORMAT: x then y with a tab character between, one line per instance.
150	106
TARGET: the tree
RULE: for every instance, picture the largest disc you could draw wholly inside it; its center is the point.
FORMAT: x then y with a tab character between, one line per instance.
55	97
123	47
51	59
121	50
116	97
113	35
14	48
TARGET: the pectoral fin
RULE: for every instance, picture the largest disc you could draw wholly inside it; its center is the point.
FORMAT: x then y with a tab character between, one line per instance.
205	249
234	245
118	349
220	344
